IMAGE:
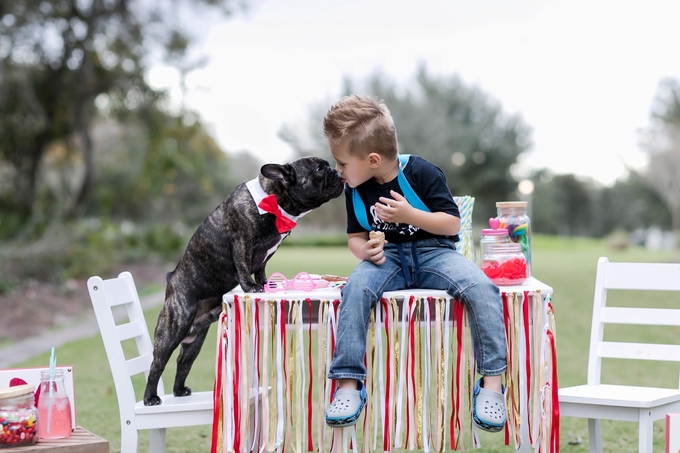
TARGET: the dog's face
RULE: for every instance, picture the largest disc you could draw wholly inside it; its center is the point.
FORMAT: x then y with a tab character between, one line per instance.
302	185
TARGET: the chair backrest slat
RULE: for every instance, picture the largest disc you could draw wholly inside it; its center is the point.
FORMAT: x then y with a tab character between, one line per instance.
641	316
639	351
643	276
130	330
637	277
138	365
119	292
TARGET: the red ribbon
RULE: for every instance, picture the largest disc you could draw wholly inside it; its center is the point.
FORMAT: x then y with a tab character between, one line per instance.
555	432
310	442
217	391
283	223
237	375
386	430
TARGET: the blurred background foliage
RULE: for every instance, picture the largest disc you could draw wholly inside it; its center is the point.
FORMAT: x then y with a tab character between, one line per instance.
97	168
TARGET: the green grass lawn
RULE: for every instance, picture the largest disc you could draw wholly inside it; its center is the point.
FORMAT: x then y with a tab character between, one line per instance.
568	265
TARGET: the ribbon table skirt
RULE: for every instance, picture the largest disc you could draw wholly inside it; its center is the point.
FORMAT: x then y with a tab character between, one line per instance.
274	350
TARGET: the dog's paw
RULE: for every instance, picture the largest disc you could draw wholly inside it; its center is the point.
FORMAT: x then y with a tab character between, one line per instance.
250	288
184	391
152	400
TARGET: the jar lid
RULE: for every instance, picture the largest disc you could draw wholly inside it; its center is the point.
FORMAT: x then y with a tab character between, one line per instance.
498	232
511	204
17	390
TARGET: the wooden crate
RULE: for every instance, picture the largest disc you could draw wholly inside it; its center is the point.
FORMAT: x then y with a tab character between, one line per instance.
80	441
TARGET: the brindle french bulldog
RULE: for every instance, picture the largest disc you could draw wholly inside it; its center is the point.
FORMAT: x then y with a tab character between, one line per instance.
230	247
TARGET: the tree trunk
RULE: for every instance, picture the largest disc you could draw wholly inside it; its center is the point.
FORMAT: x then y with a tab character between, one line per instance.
87	185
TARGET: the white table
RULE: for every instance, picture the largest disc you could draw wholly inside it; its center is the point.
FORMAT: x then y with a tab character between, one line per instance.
283	341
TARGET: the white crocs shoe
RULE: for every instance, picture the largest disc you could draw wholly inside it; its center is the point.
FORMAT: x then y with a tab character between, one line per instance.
488	409
346	406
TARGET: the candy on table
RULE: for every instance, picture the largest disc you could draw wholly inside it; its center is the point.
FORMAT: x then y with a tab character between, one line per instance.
512	271
18	427
18	415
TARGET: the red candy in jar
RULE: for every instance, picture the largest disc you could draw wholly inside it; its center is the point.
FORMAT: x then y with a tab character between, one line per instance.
18	416
505	264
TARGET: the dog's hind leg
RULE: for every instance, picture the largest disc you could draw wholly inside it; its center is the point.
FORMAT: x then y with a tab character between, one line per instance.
163	347
192	343
174	321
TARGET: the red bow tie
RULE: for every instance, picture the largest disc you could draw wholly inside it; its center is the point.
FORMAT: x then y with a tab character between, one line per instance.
283	223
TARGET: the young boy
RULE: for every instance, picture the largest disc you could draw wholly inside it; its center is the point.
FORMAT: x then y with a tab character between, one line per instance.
411	204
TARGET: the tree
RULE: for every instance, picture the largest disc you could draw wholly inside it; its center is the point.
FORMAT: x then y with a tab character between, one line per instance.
457	127
57	57
661	140
563	205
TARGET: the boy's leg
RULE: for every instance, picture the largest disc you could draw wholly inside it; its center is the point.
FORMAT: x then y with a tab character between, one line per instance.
364	288
448	270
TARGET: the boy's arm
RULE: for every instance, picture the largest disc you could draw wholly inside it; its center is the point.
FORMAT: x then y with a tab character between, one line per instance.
364	248
398	210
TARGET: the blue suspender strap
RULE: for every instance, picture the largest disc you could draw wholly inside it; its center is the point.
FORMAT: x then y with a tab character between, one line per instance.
404	266
409	194
360	210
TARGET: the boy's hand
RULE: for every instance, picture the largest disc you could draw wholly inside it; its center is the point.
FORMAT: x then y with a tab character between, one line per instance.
395	210
374	250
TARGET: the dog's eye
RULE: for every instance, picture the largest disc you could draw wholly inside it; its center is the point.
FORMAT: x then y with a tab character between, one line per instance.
319	167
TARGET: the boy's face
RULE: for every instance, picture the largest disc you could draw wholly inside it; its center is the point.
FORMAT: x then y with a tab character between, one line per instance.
353	170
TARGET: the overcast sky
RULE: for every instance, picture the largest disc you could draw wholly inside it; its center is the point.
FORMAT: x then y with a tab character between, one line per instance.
582	74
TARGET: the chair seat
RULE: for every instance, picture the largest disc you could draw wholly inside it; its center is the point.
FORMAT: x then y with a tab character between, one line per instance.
618	395
198	401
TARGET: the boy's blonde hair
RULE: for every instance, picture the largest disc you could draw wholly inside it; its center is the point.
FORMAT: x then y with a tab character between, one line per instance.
365	123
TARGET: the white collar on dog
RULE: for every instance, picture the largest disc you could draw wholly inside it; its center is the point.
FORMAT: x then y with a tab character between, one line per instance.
258	194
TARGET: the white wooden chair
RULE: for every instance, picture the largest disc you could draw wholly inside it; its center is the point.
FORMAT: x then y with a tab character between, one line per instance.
196	409
596	401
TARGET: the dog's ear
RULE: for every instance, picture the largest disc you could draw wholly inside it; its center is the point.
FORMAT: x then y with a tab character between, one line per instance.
283	174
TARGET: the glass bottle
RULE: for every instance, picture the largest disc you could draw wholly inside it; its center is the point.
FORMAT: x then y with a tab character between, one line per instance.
505	264
54	409
513	217
18	416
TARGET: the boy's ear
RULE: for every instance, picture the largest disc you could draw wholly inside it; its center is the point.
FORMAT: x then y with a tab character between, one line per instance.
374	159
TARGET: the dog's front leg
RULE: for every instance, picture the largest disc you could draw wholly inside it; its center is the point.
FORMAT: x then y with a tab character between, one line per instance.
260	276
242	254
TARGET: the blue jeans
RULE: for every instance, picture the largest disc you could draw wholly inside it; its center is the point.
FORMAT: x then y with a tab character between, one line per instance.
437	266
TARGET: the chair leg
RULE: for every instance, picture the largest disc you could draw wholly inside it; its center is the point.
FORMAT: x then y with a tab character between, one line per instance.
128	438
594	435
157	440
645	432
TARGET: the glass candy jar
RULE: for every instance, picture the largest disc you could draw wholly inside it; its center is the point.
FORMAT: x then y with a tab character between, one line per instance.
492	236
512	215
54	406
505	264
18	416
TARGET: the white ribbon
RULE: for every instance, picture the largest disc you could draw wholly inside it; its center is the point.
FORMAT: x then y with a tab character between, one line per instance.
402	373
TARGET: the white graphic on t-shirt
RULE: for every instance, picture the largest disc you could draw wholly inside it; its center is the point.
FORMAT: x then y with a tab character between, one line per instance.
380	225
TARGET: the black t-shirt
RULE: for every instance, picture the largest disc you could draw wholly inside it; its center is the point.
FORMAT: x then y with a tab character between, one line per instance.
427	181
